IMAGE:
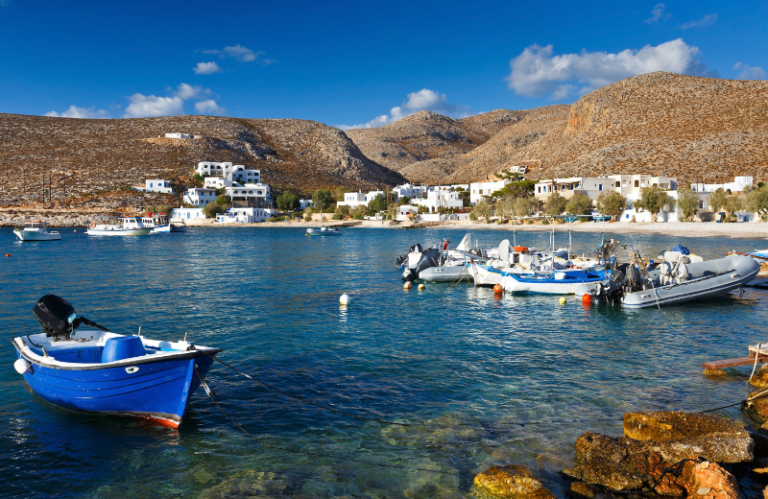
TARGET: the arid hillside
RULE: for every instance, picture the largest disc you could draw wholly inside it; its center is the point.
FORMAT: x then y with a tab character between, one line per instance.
83	157
427	136
694	128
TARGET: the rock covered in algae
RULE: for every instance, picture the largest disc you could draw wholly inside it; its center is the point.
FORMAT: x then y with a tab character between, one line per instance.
720	440
509	482
760	379
757	408
247	484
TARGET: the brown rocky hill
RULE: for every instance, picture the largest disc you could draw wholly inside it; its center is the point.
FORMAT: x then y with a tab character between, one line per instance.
80	157
697	129
427	136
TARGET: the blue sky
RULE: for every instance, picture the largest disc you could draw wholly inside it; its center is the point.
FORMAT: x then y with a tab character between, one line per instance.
355	63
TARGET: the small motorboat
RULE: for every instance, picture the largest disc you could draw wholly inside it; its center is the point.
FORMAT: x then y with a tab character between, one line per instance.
556	282
161	225
95	370
760	256
36	231
128	226
323	231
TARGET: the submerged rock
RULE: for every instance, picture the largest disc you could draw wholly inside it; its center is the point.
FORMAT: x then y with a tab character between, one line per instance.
720	440
760	379
509	482
715	373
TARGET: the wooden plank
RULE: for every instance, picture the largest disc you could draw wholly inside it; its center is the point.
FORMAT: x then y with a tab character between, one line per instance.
741	361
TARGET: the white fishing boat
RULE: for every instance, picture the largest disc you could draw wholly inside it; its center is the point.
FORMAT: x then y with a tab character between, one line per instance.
36	231
127	226
160	223
323	231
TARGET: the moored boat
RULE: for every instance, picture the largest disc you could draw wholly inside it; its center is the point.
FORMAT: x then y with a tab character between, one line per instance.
556	282
128	226
95	370
323	231
36	231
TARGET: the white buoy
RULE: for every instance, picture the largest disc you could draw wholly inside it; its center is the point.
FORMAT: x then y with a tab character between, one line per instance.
421	287
22	366
407	285
562	300
344	299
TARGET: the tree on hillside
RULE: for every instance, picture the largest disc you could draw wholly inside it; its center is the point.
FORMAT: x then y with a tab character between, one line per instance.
652	199
757	202
322	199
522	188
688	202
377	204
525	206
611	203
579	204
287	201
555	204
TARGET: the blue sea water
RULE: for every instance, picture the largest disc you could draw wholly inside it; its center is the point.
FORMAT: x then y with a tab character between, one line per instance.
467	369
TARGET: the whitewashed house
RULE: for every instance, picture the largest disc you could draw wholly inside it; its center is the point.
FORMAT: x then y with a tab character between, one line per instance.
244	215
218	183
305	203
200	197
481	190
410	191
353	199
406	212
225	169
439	198
157	185
250	195
568	187
187	213
738	185
176	135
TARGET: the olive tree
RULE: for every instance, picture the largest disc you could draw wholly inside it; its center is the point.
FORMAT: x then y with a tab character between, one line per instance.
688	202
718	200
525	206
757	202
611	203
482	210
212	209
653	199
555	204
579	204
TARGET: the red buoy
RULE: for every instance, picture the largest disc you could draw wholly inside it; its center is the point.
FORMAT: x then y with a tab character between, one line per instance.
586	299
7	255
498	289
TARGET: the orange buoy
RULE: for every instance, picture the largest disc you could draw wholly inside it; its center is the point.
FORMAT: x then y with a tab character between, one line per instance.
7	255
586	299
498	289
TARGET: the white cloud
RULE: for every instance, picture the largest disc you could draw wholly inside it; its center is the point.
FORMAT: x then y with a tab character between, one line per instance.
423	100
704	21
206	68
658	14
537	72
186	91
80	112
143	106
242	54
209	107
749	72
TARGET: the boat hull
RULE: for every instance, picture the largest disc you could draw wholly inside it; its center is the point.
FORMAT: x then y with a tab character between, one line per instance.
485	276
156	390
742	270
521	283
445	274
118	232
25	235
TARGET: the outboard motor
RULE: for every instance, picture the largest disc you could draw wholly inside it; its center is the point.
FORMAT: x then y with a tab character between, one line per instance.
58	317
419	260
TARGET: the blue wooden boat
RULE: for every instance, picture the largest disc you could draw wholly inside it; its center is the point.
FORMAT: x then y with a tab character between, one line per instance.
94	370
553	283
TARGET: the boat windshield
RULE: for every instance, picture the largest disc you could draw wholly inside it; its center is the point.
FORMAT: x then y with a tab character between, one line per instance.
34	225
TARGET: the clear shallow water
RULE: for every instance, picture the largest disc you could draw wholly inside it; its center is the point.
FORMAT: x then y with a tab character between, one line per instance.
467	366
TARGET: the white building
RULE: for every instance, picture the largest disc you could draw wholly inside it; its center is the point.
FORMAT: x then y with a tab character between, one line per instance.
156	185
226	169
567	187
305	203
406	212
200	197
480	190
217	183
245	215
176	135
631	186
738	185
519	169
250	195
437	199
187	213
353	200
410	191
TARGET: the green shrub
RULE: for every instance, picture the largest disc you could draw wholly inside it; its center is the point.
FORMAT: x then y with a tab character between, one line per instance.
337	216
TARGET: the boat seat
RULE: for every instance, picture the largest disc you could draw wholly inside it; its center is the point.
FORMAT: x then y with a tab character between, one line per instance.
122	347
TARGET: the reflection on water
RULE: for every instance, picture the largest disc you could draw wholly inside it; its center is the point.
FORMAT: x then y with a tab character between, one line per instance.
483	380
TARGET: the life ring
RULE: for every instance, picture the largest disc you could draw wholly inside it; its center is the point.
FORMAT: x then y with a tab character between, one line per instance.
93	225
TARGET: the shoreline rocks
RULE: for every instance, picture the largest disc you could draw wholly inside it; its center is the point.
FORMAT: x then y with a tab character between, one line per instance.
509	482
